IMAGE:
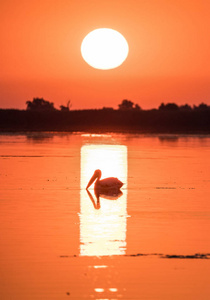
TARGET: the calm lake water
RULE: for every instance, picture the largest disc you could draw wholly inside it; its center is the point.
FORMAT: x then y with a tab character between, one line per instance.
59	241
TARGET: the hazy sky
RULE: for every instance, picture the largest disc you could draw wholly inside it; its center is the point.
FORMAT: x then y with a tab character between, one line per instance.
169	43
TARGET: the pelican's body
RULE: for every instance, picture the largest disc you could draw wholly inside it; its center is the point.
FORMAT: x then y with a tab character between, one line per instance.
110	183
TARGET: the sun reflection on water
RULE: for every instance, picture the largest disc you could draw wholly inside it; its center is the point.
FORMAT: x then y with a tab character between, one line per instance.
103	218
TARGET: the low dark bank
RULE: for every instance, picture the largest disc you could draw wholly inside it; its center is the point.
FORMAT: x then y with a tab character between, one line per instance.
105	120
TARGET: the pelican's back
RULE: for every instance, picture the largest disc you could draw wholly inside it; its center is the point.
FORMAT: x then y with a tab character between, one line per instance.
110	182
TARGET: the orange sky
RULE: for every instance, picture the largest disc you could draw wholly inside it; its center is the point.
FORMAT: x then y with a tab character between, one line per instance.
169	43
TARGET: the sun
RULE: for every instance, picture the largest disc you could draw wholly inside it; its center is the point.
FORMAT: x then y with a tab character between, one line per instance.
104	48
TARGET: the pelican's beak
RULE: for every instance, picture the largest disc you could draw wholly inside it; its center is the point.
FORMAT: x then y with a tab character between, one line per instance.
92	179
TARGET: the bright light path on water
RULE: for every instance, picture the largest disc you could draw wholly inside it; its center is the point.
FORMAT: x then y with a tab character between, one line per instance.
103	230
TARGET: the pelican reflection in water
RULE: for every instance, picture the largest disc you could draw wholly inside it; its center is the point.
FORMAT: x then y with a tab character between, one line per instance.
105	195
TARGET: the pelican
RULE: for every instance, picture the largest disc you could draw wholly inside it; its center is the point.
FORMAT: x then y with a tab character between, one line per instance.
110	183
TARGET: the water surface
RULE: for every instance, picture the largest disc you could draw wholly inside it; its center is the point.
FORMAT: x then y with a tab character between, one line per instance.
58	241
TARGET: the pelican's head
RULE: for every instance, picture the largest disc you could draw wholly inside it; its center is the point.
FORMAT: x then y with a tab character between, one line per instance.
96	175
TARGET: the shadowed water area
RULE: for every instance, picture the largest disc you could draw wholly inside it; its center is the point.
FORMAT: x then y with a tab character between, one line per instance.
60	241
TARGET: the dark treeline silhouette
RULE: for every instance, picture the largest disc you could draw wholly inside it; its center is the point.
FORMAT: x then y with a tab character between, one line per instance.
186	107
40	115
39	104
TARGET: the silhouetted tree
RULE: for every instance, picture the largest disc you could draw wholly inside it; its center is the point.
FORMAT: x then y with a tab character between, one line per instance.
185	107
169	106
67	107
201	106
39	104
128	105
162	106
137	107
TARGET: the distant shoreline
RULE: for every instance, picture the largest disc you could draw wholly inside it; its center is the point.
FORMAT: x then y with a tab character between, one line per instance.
106	120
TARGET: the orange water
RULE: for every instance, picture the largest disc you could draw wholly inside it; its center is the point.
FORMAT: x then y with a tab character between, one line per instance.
57	241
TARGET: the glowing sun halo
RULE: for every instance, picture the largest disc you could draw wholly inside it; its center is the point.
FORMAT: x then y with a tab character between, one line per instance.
104	48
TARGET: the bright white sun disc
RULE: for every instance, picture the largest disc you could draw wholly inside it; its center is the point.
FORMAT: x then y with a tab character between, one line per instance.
104	48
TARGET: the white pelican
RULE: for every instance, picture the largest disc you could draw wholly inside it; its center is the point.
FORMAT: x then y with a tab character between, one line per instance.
111	183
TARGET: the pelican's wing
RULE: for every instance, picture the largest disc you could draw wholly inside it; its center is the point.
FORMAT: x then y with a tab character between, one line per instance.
110	182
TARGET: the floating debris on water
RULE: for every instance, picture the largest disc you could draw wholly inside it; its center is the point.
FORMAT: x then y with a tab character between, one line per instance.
160	255
165	188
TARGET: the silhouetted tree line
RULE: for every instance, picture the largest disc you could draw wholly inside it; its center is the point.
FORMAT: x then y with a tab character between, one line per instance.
186	107
39	104
41	115
129	105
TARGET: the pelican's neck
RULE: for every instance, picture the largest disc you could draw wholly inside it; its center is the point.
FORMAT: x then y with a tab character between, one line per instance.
98	178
